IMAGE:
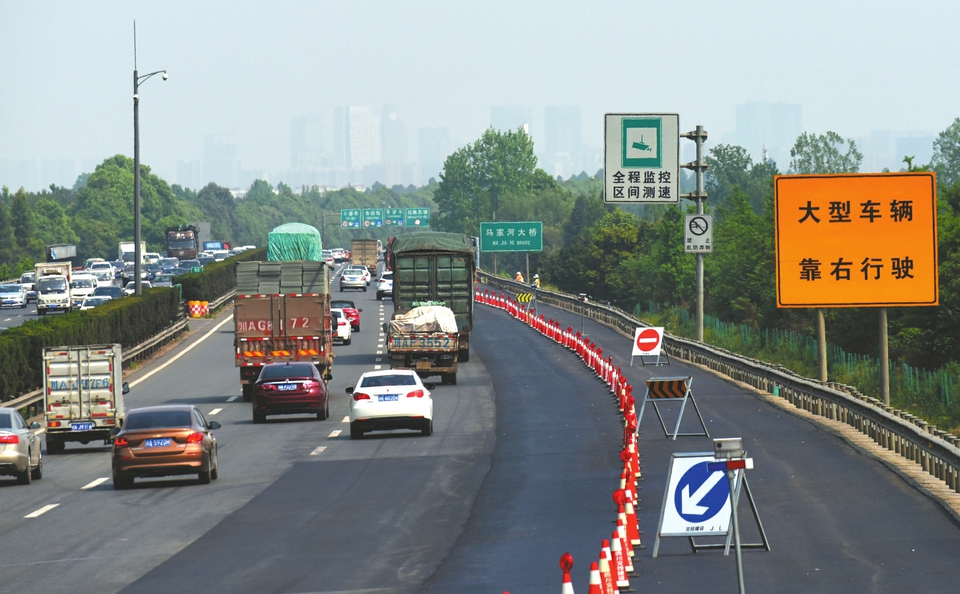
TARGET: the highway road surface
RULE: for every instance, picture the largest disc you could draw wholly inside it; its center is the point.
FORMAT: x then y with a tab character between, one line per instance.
520	468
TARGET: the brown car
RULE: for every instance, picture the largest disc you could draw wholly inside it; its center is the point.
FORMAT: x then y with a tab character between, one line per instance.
290	388
162	441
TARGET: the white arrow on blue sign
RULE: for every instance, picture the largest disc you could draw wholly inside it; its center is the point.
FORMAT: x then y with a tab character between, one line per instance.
697	499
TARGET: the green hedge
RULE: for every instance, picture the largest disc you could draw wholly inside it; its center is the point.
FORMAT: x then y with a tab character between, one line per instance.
129	321
216	279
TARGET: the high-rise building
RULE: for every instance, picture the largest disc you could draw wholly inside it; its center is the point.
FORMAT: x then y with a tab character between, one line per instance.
306	143
508	119
434	146
356	137
563	145
189	174
774	126
393	138
220	162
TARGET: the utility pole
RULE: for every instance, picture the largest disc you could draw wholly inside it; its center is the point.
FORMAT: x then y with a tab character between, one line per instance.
699	196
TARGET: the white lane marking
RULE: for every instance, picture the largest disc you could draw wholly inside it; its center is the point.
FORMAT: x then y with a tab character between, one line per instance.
378	359
94	483
232	398
346	419
318	451
335	433
7	319
377	367
183	352
379	352
41	511
214	411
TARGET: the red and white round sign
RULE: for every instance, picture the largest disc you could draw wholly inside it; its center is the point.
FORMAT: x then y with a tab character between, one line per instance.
647	341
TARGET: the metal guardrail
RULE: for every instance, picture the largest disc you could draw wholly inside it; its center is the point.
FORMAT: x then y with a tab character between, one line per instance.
136	353
936	451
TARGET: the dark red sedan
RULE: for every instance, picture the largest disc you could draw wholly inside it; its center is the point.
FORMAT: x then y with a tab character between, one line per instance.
290	388
348	307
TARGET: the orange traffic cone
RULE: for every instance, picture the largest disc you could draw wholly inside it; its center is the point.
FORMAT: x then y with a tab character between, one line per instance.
607	578
619	563
566	564
595	586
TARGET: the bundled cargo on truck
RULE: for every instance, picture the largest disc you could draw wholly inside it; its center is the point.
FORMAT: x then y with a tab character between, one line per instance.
282	313
293	242
425	339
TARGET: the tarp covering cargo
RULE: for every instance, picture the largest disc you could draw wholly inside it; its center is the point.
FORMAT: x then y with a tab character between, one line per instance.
294	241
430	318
272	278
430	240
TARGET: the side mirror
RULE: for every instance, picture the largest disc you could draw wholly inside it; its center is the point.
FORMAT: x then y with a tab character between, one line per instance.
114	431
359	310
213	425
430	385
126	388
350	390
35	425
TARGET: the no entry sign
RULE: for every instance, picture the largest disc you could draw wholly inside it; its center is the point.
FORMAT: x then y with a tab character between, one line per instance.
647	342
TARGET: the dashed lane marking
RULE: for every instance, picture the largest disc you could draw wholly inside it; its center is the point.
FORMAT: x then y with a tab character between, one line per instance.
214	411
41	511
379	352
377	367
346	419
318	451
94	483
232	398
335	433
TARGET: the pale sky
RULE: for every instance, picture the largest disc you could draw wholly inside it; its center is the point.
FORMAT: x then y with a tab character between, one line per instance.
243	68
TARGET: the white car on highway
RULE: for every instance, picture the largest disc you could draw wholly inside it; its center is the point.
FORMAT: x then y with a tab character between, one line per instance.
392	399
385	285
342	331
367	277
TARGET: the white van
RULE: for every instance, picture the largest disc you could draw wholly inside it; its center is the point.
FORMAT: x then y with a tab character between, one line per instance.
81	286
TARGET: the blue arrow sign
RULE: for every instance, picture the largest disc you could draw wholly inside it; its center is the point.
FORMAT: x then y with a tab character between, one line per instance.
701	493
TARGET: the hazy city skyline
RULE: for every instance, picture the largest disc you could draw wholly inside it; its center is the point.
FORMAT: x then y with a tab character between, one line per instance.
433	76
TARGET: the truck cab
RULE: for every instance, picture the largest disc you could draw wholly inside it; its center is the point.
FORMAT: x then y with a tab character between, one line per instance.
53	287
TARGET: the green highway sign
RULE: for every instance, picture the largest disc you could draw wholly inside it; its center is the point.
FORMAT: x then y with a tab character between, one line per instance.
350	218
418	217
393	217
372	217
196	269
641	158
511	236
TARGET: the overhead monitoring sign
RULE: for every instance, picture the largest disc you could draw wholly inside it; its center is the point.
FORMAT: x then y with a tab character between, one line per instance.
856	240
642	158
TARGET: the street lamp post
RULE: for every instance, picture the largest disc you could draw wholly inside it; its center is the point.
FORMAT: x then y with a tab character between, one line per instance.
137	79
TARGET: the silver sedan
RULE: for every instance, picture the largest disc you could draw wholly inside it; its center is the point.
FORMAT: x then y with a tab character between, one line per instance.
20	454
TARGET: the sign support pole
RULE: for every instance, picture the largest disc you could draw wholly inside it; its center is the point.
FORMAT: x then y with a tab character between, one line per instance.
698	136
822	345
526	256
731	479
884	359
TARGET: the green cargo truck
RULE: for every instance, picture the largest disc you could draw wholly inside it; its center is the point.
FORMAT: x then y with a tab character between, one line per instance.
434	268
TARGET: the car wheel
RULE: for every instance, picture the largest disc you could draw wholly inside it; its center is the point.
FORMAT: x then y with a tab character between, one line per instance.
215	472
355	431
247	392
37	473
121	482
357	329
259	417
427	427
348	341
379	296
24	306
325	412
25	477
205	476
364	289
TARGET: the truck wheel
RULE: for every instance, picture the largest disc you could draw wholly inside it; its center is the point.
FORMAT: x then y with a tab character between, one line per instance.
41	312
463	355
247	392
54	446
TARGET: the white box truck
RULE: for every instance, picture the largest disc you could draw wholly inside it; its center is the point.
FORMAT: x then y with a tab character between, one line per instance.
83	393
53	287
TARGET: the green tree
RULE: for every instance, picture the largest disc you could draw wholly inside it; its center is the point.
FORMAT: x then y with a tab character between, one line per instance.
218	207
9	250
21	219
946	155
52	223
824	153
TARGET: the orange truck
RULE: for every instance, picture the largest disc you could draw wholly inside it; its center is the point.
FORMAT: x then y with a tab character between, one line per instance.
275	323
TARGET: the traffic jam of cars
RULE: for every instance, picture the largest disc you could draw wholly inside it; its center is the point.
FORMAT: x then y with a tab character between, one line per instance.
177	439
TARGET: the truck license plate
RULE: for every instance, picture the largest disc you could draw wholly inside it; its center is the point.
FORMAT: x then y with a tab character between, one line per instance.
423	365
81	426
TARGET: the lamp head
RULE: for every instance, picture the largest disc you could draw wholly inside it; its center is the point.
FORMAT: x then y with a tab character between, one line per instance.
165	75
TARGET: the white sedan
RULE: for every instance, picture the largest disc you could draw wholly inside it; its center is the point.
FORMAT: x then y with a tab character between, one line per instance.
131	287
367	277
392	399
342	331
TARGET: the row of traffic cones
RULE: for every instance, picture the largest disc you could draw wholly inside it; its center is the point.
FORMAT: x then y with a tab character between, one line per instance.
611	573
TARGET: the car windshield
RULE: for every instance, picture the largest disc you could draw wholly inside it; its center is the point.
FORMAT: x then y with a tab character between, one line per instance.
167	262
158	419
82	283
52	285
376	381
27	277
342	304
9	288
99	300
387	276
188	264
109	291
99	265
164	277
153	267
285	371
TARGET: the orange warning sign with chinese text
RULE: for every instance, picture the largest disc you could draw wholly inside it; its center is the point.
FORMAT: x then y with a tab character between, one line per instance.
856	240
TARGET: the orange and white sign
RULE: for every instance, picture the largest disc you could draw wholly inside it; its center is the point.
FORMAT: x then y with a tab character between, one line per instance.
856	240
647	342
